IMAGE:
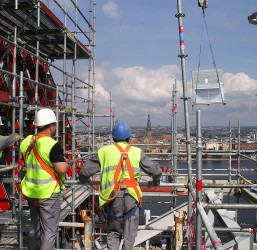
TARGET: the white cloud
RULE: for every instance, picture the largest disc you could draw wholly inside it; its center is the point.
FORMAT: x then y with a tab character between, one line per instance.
239	82
111	9
136	89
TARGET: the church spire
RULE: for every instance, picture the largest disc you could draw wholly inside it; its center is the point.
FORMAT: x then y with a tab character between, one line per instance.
148	128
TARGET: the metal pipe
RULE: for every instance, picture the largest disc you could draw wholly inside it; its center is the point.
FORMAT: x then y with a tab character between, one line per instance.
65	80
74	21
205	185
238	151
230	148
7	168
231	206
185	98
242	177
38	13
36	87
174	141
73	90
145	184
216	242
199	181
111	139
92	45
14	118
21	129
146	227
247	157
57	113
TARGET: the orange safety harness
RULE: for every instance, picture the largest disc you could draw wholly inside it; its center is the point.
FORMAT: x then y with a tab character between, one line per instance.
46	167
124	164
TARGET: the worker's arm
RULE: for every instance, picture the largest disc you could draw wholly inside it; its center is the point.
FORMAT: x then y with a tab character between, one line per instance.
8	141
150	167
91	167
60	163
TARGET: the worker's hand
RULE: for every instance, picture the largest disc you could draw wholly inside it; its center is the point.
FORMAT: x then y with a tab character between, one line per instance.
67	160
156	182
17	137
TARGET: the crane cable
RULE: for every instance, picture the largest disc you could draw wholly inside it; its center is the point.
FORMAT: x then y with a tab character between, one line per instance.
213	59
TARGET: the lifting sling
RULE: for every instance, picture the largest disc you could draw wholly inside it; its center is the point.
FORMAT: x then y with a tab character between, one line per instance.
216	73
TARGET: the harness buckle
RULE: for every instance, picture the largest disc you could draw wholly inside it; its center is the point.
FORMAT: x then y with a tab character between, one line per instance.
123	186
124	155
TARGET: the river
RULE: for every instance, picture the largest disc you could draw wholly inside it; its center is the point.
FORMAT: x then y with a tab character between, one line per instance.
246	218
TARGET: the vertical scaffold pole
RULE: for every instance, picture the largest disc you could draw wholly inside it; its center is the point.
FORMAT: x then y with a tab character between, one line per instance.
14	114
238	152
185	98
57	113
174	141
65	80
73	105
36	80
111	122
238	166
21	129
175	157
91	78
91	87
230	158
199	182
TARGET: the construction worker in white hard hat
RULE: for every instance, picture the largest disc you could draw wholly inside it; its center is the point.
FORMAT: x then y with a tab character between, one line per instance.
6	141
45	166
120	166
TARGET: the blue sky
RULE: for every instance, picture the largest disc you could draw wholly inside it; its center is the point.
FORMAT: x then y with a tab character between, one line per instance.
136	59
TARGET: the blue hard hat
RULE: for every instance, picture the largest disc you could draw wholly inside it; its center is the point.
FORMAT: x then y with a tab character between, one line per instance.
121	131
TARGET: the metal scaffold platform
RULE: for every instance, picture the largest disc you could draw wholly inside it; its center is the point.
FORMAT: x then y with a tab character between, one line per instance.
35	22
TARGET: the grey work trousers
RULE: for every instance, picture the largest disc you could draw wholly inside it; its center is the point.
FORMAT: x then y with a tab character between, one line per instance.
45	216
118	228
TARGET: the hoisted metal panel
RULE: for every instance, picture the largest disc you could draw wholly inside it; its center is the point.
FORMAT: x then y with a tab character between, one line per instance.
208	87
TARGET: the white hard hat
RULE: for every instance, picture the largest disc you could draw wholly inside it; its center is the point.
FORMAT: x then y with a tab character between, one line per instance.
44	117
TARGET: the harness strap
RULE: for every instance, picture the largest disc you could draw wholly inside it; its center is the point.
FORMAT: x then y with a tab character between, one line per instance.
45	166
132	182
125	216
34	203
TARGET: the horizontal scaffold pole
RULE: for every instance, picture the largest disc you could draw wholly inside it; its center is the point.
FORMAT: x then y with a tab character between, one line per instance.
231	206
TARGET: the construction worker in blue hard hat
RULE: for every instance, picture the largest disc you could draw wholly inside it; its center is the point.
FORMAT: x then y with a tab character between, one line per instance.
120	166
42	184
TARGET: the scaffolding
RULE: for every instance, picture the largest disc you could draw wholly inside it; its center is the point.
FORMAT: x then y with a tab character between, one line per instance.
41	45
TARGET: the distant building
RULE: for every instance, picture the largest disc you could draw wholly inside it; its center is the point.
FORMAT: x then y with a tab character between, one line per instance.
148	128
